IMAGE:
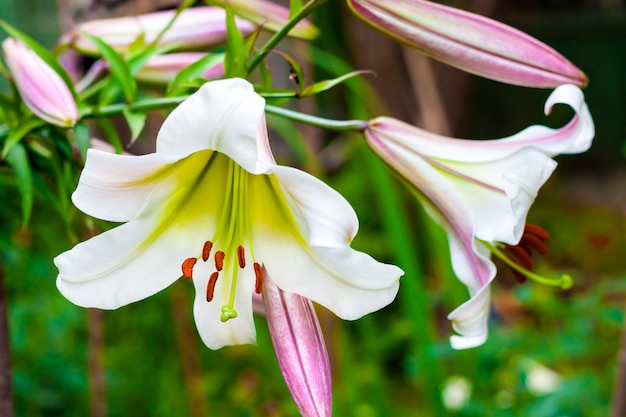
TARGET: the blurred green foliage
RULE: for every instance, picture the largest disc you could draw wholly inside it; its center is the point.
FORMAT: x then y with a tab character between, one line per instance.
388	364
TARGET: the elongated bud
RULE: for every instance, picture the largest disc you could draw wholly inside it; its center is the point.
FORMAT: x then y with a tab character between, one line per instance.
271	16
470	42
162	69
42	89
197	27
300	349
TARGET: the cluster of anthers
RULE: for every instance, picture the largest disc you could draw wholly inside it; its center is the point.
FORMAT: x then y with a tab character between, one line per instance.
519	257
228	311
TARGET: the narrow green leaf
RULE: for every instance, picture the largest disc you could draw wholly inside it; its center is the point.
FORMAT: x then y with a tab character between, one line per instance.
295	70
118	66
18	133
234	44
18	159
111	134
42	52
193	71
82	136
328	84
294	7
136	122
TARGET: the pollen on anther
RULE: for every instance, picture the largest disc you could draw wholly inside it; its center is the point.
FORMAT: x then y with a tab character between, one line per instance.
210	286
241	255
206	250
188	267
258	274
219	260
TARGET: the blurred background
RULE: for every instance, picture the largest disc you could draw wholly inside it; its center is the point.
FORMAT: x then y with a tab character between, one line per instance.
549	353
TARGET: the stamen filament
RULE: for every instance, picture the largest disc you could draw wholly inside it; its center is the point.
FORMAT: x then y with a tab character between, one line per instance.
564	281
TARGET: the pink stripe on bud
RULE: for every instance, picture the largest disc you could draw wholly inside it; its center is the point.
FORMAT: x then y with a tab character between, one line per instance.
300	349
470	42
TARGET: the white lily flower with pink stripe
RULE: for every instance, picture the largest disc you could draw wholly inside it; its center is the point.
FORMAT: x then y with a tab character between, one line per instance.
211	205
480	191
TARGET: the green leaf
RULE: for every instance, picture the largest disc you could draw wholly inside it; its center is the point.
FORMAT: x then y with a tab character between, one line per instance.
82	137
18	133
328	84
295	70
233	64
294	7
193	71
110	132
18	159
119	68
42	52
136	122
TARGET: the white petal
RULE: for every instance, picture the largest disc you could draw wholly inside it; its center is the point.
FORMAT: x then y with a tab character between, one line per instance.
347	282
500	212
330	219
141	257
215	333
574	137
470	321
223	115
116	187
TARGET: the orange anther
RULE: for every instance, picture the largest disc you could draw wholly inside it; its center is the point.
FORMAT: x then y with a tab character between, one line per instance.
219	260
206	250
188	267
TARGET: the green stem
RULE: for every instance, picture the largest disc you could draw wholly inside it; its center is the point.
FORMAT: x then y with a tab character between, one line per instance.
138	106
336	125
278	36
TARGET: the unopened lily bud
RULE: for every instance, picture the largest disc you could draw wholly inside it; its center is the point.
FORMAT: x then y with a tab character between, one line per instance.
162	69
300	349
42	89
271	16
470	42
197	27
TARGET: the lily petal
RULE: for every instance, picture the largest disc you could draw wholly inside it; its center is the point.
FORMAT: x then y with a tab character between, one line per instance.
226	118
214	333
137	259
319	264
114	187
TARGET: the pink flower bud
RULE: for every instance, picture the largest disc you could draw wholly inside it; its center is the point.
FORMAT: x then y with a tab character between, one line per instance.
271	16
470	42
42	89
196	27
300	349
162	69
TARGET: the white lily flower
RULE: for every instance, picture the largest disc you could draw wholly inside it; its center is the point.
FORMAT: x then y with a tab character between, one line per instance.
480	191
212	203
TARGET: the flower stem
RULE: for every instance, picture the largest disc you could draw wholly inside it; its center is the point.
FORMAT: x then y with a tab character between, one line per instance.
336	125
138	106
278	36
